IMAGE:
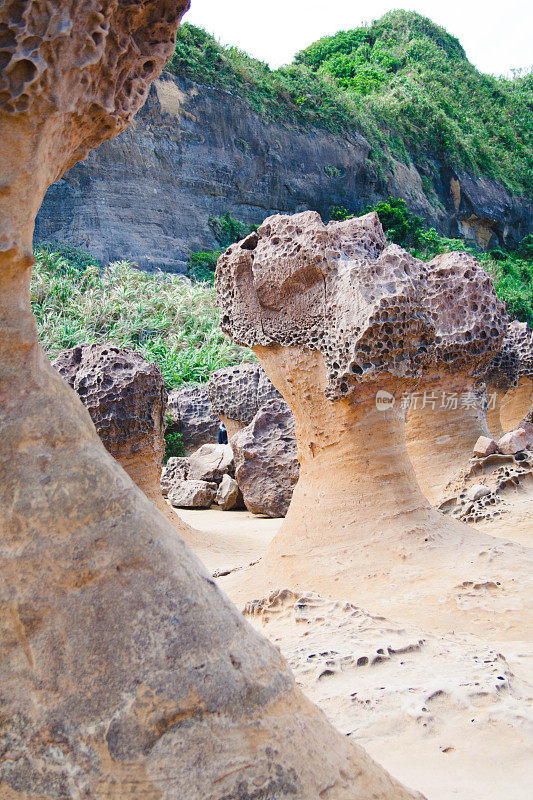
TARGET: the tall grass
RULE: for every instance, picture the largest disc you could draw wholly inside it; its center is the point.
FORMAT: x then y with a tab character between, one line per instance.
166	318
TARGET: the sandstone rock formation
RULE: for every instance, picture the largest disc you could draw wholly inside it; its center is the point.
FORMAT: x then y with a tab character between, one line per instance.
193	417
192	494
237	394
196	151
446	414
510	380
345	326
126	398
228	494
125	671
211	462
266	462
175	470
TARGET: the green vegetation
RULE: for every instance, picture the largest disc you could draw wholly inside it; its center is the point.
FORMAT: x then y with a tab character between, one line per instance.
201	266
165	318
511	271
403	82
227	230
174	447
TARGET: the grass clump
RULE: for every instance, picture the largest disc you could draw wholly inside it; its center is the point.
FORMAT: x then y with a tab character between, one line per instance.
174	447
403	82
169	320
226	230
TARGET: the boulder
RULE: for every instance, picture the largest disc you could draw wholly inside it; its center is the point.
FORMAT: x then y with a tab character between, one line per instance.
174	472
126	398
192	416
477	491
211	462
126	672
237	393
485	446
266	463
228	494
513	442
192	494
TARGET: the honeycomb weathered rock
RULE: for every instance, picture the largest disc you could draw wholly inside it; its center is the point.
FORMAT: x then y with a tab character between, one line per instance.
237	393
346	327
125	396
369	308
514	359
509	380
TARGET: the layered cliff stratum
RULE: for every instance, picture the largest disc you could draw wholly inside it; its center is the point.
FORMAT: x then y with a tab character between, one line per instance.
391	109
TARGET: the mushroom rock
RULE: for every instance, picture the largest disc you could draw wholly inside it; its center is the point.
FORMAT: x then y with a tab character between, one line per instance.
126	398
345	326
192	416
237	394
125	670
509	380
446	414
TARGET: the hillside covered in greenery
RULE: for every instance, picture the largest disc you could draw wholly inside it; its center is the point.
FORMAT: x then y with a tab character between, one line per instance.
403	82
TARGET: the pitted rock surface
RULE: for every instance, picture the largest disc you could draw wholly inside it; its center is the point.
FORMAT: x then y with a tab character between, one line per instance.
470	321
61	58
174	472
123	393
266	463
515	358
506	478
193	417
367	307
239	392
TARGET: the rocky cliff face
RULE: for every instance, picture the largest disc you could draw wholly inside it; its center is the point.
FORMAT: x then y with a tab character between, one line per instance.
189	155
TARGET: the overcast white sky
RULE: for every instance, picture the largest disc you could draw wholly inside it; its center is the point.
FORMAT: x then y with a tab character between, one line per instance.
496	34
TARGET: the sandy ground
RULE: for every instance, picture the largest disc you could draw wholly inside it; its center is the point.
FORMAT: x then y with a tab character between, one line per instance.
231	540
449	715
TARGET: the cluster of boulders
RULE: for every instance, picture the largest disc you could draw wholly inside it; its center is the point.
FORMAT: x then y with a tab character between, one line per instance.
126	398
207	476
259	466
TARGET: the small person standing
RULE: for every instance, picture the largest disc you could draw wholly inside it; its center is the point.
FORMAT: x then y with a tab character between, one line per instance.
222	434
